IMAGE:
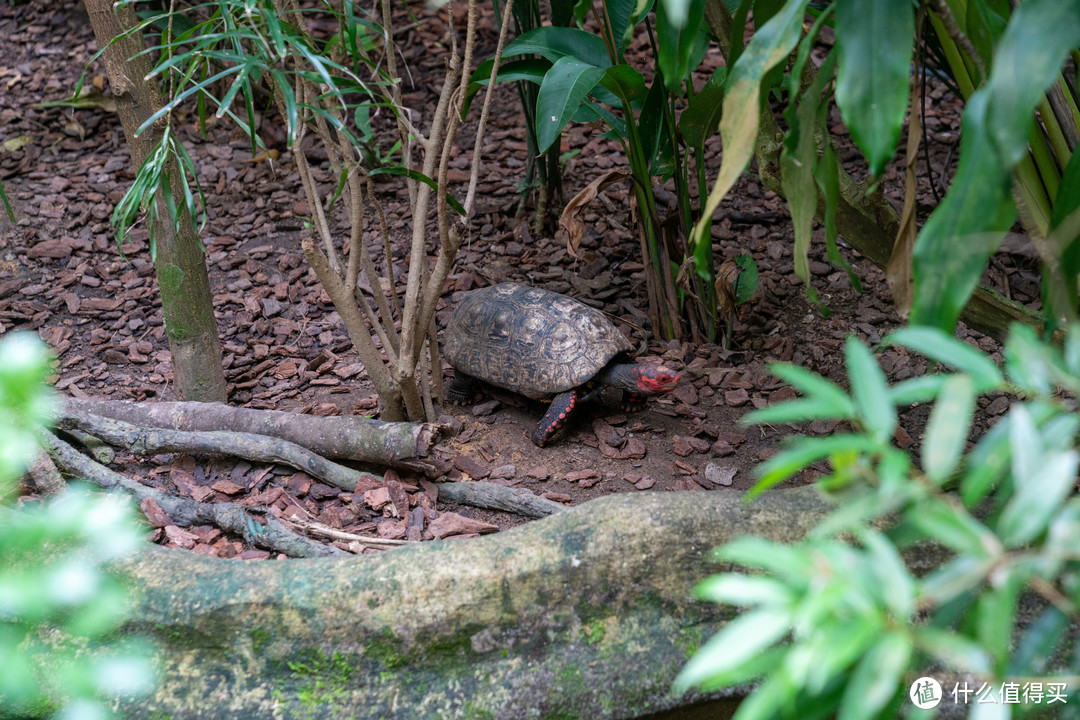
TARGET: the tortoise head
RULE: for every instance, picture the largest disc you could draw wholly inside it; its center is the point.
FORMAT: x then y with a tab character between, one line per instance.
654	379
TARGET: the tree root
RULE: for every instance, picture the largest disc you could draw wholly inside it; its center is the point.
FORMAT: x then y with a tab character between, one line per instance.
259	448
256	525
493	496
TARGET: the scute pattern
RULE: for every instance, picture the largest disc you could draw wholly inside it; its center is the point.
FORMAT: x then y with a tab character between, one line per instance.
531	341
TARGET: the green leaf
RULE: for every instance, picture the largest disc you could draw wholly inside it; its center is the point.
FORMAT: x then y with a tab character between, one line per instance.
527	69
953	527
739	125
620	13
746	284
875	42
739	641
921	389
948	428
815	386
804	451
1038	643
995	613
956	652
565	86
554	43
938	345
788	562
896	583
1042	481
1029	362
743	590
870	391
876	677
625	82
421	177
680	41
998	121
701	117
986	464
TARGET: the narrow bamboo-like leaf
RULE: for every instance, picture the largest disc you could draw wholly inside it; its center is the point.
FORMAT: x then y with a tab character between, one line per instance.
827	176
739	641
802	452
565	86
897	584
1038	495
739	125
1030	363
421	177
995	613
870	391
923	388
953	527
948	428
955	651
788	562
876	677
997	124
1039	641
743	590
875	42
813	385
947	350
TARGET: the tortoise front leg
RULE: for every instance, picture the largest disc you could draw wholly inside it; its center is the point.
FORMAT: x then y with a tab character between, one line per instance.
555	418
461	389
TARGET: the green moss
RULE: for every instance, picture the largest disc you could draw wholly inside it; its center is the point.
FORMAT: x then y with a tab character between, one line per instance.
260	638
474	712
595	631
326	682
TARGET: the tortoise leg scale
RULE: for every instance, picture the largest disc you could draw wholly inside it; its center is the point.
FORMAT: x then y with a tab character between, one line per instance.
555	418
461	389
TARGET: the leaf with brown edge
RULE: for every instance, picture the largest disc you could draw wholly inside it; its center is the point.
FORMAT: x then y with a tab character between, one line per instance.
571	221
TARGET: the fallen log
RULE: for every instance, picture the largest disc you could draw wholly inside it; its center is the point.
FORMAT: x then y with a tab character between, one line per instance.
587	614
258	448
350	437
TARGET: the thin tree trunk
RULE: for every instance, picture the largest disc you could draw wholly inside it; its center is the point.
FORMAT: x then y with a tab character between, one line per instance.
180	264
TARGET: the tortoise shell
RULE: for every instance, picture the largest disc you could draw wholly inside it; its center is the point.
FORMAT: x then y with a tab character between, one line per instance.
531	341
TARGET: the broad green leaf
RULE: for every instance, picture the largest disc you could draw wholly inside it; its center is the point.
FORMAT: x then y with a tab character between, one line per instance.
680	41
875	42
621	15
654	133
804	451
870	391
743	590
701	117
565	86
528	69
739	641
625	82
1065	204
948	428
739	125
876	677
938	345
746	285
553	43
966	228
956	652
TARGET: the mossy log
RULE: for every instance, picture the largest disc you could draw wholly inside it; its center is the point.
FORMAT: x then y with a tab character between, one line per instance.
585	614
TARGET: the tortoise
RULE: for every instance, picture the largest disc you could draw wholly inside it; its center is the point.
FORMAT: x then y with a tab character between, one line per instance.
544	345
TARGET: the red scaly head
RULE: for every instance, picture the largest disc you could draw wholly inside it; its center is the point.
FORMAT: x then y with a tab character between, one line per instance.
655	379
